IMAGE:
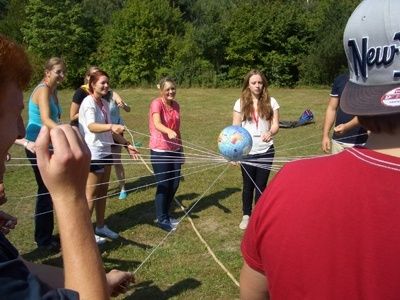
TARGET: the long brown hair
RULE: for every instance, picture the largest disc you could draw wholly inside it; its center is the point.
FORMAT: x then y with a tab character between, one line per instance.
246	101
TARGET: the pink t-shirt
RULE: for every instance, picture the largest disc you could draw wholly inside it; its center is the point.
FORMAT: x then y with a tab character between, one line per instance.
329	228
170	117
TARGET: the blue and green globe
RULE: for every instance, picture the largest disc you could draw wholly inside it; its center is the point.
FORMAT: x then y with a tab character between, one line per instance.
234	142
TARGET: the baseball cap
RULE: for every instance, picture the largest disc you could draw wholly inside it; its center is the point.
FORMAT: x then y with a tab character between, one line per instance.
372	45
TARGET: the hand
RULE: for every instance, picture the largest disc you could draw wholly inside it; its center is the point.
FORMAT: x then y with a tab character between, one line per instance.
133	152
119	282
7	222
266	136
340	129
30	146
326	144
65	170
117	128
172	134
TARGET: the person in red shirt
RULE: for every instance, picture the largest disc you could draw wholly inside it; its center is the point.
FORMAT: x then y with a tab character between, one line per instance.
329	227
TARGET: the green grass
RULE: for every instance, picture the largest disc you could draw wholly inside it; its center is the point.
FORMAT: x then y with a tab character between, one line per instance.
181	267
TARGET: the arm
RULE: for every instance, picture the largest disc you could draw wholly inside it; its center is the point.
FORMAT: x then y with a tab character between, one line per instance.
42	98
330	116
253	285
74	111
120	102
162	128
118	281
98	127
342	128
120	140
65	179
267	136
26	144
237	118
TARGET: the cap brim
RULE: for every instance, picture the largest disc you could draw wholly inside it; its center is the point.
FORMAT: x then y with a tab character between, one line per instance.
360	100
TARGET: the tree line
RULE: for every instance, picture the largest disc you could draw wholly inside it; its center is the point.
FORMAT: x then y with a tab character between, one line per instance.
203	43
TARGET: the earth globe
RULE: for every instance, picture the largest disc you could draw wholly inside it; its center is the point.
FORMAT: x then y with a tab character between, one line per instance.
234	142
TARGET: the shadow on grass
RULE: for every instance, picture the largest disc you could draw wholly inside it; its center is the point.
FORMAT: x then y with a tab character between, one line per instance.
144	212
213	199
147	289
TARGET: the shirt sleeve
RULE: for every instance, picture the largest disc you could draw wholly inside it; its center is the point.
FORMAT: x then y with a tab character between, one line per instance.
16	282
274	104
155	107
90	112
237	107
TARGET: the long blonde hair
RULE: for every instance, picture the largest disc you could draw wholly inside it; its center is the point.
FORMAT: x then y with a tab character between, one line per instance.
246	101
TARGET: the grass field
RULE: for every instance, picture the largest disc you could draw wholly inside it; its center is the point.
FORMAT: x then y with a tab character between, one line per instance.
181	267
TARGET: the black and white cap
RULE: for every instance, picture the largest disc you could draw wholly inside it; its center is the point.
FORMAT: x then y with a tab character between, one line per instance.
372	45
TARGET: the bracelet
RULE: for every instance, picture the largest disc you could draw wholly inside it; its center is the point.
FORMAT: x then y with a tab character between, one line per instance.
26	144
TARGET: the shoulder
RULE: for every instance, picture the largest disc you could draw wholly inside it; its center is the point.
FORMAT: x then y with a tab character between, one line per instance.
155	103
274	103
237	106
87	101
338	85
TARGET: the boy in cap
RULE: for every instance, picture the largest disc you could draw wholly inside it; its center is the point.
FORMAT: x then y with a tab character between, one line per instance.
337	236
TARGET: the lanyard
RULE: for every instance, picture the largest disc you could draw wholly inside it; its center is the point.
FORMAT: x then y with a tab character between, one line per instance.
256	119
99	103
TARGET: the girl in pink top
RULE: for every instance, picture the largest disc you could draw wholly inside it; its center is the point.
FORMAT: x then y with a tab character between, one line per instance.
166	150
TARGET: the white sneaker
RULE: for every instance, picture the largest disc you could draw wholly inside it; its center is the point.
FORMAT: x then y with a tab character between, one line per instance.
245	222
99	240
174	222
107	232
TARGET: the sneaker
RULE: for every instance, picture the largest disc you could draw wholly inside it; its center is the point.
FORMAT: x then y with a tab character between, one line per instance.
53	246
166	225
245	222
107	232
174	222
99	240
123	195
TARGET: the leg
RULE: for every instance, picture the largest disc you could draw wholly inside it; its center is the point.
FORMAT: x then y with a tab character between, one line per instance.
161	169
175	177
119	168
262	173
100	204
44	220
248	175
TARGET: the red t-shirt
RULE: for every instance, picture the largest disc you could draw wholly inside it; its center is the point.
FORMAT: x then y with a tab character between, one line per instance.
170	117
329	228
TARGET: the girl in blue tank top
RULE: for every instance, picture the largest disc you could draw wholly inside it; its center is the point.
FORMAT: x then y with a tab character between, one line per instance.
44	110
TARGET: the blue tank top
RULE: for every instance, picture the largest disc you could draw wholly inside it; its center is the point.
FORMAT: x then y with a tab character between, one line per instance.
114	110
34	120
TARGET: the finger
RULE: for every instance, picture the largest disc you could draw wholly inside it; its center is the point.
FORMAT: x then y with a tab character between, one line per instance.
59	141
42	146
74	139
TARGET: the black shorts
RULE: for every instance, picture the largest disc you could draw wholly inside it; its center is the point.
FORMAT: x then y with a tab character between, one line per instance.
97	165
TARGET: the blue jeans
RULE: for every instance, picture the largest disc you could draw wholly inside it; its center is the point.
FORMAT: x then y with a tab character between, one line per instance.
167	171
44	219
258	175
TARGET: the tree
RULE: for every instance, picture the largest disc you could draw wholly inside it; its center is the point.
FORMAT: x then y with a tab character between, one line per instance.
12	18
60	28
325	57
272	42
134	45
